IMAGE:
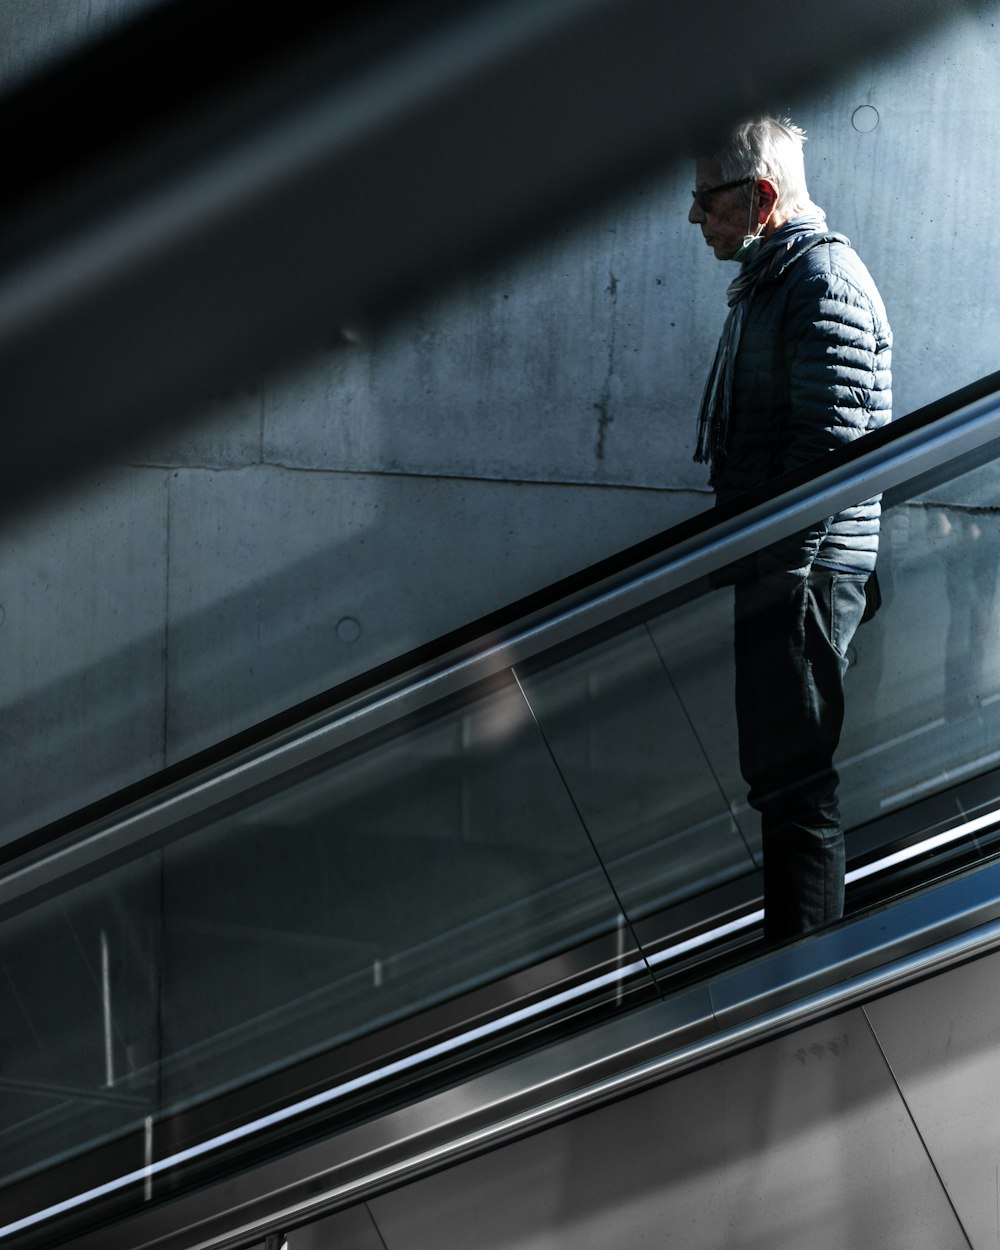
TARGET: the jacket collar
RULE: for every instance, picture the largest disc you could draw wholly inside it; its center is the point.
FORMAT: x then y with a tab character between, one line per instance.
789	243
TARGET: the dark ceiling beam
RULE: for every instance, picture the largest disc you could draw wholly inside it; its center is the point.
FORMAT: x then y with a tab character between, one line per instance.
219	186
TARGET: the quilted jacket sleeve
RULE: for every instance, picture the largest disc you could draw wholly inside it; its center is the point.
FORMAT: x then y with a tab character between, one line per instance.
836	349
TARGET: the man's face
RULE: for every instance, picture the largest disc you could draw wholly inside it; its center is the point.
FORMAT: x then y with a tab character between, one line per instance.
724	225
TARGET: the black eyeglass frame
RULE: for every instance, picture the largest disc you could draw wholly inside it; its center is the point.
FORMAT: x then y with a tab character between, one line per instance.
703	198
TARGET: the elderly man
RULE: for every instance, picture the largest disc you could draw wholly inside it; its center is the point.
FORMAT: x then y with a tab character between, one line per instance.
803	366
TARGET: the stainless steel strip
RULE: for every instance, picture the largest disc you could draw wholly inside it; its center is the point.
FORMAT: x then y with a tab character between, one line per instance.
916	453
609	1062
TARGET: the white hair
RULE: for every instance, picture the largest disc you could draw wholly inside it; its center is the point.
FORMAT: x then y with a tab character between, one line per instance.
766	147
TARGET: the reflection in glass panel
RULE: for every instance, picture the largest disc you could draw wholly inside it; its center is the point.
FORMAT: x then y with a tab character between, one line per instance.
923	692
398	873
441	857
619	719
79	991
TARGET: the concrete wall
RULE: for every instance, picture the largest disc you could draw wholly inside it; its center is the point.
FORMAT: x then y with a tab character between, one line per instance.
521	425
37	32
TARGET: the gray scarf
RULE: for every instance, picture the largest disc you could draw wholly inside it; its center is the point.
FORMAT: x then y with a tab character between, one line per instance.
717	402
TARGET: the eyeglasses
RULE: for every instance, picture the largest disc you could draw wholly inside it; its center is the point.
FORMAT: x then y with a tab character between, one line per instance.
704	198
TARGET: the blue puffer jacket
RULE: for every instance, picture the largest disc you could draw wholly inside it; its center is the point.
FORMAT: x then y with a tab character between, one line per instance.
812	372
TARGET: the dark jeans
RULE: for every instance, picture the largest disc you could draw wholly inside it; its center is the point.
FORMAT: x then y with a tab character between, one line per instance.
791	638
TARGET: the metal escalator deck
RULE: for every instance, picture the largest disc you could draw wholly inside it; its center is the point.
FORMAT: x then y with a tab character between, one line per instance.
514	875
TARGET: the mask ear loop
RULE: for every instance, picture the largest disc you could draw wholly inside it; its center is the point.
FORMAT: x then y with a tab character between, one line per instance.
749	234
749	237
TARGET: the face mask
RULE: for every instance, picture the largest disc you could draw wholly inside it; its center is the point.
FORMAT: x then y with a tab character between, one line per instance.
751	245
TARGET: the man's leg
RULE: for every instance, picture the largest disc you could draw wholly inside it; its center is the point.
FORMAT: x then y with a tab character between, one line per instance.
792	633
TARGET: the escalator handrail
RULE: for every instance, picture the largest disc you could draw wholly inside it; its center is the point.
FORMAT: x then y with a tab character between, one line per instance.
634	578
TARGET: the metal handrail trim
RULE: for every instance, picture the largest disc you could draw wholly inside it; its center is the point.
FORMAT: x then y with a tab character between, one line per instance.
620	1057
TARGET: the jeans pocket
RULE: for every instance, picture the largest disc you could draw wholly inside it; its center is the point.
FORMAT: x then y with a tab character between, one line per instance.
847	606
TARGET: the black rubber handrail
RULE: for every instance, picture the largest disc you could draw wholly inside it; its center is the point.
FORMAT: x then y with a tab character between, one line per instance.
496	624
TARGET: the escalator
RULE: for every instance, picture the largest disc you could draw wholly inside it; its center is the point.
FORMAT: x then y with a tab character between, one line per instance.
497	884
